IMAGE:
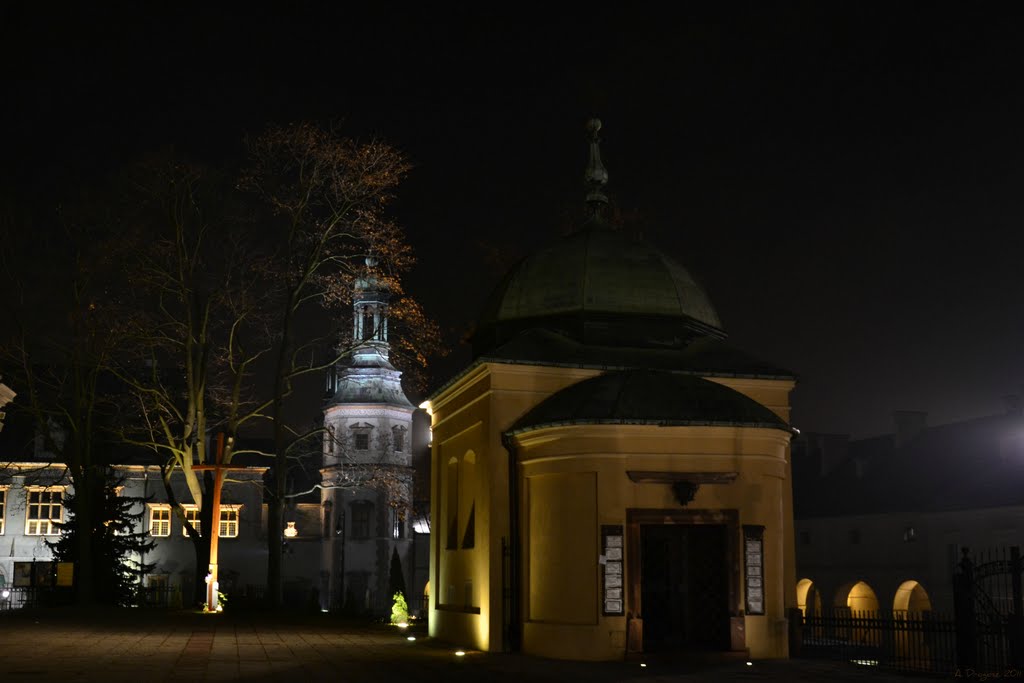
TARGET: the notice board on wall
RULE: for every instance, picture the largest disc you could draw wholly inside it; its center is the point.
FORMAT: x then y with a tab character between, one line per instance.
753	565
611	561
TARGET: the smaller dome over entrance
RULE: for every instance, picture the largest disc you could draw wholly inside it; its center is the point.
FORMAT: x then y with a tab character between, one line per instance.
649	397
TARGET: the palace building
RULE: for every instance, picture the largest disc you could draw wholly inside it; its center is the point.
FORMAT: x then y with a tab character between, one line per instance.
608	475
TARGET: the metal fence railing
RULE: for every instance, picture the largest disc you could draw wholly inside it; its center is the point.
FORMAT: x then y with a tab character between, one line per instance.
923	642
19	597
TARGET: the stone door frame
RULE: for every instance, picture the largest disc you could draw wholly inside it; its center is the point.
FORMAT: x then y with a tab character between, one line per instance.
730	519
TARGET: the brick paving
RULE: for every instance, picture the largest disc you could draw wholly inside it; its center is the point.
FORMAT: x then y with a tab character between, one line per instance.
184	647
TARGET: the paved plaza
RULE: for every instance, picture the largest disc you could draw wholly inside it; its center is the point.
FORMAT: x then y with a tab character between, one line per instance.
158	646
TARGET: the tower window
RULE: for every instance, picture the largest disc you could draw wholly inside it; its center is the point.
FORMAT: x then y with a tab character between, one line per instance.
362	441
368	323
361	519
398	526
399	439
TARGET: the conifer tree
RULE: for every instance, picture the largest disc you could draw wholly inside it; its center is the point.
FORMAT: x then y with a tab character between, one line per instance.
118	551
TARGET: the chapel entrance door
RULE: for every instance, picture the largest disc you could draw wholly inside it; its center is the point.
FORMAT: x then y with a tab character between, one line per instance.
684	587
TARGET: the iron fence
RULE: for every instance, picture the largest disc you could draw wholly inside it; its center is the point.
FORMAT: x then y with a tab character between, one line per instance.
19	597
159	596
923	642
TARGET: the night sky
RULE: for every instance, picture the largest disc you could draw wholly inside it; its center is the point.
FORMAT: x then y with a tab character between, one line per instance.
845	179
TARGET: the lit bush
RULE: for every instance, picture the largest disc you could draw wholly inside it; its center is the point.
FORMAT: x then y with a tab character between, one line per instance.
399	610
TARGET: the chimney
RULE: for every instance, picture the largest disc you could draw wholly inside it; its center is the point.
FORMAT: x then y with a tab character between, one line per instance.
909	423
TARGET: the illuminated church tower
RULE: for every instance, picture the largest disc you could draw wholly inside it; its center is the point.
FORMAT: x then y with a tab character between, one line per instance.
367	473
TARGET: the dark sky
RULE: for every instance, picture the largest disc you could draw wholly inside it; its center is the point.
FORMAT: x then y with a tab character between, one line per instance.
844	178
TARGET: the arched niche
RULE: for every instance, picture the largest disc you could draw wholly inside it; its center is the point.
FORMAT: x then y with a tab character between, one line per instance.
911	597
859	597
808	598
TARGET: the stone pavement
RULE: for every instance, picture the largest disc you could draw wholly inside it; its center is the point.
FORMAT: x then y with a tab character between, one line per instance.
144	646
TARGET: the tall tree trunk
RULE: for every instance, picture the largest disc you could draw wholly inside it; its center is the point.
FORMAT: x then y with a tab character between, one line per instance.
275	508
85	520
201	544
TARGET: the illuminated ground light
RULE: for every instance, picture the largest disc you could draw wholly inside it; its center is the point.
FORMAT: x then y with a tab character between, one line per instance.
865	662
750	664
642	665
411	638
402	624
460	653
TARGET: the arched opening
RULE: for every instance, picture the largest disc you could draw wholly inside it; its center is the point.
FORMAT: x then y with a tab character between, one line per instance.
911	597
452	503
910	602
859	597
467	498
808	598
369	318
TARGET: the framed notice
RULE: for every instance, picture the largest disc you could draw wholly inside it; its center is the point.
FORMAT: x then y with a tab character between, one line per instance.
753	564
610	564
65	573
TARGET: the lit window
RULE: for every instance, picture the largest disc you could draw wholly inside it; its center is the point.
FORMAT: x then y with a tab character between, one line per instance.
45	510
3	509
228	522
398	526
228	527
160	520
362	441
192	516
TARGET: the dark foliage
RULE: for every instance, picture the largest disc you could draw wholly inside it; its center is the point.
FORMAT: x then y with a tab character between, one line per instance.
117	571
396	579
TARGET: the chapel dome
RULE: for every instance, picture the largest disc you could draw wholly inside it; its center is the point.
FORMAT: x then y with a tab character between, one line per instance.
599	286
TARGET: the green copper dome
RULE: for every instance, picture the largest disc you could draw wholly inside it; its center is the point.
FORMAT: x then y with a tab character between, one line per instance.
599	286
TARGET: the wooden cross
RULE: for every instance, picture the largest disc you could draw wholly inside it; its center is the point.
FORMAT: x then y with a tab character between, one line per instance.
212	599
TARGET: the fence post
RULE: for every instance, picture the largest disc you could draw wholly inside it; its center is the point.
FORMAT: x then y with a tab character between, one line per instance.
964	618
1017	618
796	630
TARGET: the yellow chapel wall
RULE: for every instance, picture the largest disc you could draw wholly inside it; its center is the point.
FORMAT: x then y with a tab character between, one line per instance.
580	471
472	414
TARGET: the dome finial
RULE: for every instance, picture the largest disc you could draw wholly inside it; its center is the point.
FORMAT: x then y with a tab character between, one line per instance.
596	175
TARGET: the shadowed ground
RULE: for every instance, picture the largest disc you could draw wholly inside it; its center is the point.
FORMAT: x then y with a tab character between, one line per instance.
182	647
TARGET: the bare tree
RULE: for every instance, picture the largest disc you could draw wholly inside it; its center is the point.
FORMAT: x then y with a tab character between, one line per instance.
63	326
198	333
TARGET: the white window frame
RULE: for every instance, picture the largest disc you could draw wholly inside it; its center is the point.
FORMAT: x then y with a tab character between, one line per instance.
159	528
228	523
39	526
192	515
229	517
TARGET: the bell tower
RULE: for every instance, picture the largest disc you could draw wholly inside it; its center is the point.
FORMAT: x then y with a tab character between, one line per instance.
367	472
